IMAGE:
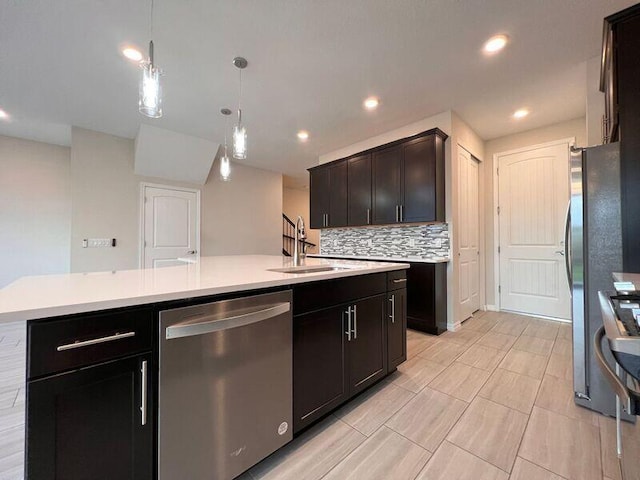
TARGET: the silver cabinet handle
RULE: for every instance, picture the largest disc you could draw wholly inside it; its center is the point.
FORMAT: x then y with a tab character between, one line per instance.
143	393
368	216
327	219
348	332
402	213
397	213
204	324
399	280
355	322
393	308
95	341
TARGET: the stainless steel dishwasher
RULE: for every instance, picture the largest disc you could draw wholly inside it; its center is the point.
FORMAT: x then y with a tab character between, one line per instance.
225	386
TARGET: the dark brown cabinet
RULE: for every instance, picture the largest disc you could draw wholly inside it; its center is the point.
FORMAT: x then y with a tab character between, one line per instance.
328	196
90	403
339	343
88	423
387	185
422	180
359	190
366	346
319	364
396	327
620	78
401	182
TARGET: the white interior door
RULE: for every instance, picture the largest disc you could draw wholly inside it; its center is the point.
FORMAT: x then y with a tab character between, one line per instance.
171	226
533	195
468	234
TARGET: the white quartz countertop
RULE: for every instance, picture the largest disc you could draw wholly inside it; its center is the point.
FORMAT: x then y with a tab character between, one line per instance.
386	259
54	295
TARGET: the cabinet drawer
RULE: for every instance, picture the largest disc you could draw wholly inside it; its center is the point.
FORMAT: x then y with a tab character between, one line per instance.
70	342
396	279
308	297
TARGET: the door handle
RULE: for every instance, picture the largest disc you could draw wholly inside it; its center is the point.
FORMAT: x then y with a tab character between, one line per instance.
393	308
559	252
192	252
368	216
567	246
212	323
348	332
143	393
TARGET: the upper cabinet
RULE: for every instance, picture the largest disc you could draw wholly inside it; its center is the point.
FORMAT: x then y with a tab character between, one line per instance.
401	182
387	185
620	80
359	190
328	198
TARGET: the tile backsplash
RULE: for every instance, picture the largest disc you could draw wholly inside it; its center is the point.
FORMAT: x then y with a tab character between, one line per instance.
428	242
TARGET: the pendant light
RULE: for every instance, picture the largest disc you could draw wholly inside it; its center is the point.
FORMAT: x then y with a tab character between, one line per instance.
150	93
225	164
239	131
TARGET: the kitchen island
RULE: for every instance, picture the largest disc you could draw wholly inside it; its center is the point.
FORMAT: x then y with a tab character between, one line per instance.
94	363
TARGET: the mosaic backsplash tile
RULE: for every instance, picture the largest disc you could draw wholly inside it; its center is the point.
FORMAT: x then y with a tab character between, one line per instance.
428	242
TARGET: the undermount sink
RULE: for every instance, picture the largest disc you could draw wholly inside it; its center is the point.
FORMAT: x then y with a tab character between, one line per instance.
307	269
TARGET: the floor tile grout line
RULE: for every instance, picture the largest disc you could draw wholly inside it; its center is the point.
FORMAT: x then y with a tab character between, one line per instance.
540	466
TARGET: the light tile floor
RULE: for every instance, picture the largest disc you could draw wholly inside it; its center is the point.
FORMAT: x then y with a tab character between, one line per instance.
491	401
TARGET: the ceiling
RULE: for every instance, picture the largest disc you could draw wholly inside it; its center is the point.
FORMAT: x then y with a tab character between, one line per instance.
311	64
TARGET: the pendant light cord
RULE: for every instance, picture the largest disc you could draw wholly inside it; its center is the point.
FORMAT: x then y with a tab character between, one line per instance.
240	99
151	22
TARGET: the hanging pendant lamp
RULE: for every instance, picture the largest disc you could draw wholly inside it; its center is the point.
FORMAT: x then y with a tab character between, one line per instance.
225	164
150	92
239	131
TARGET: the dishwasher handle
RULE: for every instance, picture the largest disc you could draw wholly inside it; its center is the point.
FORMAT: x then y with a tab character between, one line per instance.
212	323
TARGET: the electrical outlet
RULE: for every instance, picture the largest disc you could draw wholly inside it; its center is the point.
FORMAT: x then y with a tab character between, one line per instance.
370	243
98	242
437	243
412	242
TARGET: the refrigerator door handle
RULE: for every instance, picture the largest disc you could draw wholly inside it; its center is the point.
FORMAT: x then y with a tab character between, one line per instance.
567	245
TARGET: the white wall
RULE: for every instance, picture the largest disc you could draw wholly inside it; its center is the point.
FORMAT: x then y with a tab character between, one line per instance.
571	129
296	202
242	216
35	209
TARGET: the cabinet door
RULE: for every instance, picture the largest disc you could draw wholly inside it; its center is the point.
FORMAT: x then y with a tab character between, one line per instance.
319	383
419	180
396	328
338	195
318	197
386	185
359	190
367	349
88	424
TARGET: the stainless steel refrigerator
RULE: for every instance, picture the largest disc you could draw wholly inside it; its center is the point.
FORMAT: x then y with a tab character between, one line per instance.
593	242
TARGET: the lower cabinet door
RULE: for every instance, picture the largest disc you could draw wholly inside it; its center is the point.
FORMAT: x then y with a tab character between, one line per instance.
319	383
396	328
92	424
367	348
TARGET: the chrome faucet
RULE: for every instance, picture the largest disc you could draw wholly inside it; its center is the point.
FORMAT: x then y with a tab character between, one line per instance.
299	236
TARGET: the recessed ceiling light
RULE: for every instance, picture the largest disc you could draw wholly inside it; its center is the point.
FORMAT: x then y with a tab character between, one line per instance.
495	44
371	103
132	54
521	113
303	135
3	115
